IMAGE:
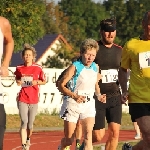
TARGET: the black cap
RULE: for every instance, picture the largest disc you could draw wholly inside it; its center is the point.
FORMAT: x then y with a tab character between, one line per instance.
108	25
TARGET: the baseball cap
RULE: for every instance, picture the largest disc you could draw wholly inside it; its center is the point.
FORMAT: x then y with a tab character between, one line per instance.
108	25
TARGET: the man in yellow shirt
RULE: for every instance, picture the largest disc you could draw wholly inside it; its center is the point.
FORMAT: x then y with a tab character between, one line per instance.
135	57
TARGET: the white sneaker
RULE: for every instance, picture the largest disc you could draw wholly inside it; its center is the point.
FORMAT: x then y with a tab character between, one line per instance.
28	142
24	147
137	137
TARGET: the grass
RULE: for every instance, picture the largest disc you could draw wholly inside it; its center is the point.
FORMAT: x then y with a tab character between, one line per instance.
41	120
47	120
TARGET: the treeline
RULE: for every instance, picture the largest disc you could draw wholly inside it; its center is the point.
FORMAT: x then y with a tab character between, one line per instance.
74	19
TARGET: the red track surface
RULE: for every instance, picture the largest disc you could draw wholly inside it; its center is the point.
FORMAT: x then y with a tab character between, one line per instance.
51	139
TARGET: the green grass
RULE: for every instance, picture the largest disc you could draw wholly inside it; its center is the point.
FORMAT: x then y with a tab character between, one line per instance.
47	120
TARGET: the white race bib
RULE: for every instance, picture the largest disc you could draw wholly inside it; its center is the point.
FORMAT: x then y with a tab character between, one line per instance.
110	75
144	59
85	93
26	81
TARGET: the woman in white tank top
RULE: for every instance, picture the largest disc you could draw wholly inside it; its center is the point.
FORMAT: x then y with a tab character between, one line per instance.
82	82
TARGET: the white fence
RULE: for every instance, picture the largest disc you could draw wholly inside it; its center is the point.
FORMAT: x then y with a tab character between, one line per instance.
50	97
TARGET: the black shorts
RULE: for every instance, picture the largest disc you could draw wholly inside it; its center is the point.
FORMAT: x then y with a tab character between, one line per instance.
2	116
112	110
2	124
137	110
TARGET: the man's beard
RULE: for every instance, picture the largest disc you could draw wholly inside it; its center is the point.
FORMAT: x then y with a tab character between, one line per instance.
108	42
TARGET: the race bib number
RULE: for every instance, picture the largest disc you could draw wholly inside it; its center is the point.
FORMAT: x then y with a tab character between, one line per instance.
109	76
144	59
85	93
26	81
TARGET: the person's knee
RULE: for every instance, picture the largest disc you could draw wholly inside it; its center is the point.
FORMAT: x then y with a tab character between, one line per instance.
30	126
24	124
97	135
113	130
115	133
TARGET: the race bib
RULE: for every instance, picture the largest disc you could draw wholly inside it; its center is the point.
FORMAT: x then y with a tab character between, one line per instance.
26	81
144	59
85	93
110	75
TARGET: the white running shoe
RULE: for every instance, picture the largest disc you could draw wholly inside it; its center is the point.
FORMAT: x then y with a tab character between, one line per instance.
28	142
137	137
24	147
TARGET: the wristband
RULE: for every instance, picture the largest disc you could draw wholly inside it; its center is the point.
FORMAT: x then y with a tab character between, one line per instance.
98	94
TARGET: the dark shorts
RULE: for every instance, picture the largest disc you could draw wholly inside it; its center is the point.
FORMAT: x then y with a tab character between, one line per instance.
2	116
112	110
2	124
137	110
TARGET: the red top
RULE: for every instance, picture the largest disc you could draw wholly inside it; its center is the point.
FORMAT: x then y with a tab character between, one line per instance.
29	94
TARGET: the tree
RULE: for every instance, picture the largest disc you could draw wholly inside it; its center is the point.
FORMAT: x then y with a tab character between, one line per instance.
128	15
61	59
26	20
83	19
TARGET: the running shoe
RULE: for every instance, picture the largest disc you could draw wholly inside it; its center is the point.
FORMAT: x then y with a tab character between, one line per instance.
126	146
24	147
28	144
78	146
137	137
82	146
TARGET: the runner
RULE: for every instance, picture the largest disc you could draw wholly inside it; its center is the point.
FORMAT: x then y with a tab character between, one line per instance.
108	58
135	57
81	79
78	131
29	76
6	45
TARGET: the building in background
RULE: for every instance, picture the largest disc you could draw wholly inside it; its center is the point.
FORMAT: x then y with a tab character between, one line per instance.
45	47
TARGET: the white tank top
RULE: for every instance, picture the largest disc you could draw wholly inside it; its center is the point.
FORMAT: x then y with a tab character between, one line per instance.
1	53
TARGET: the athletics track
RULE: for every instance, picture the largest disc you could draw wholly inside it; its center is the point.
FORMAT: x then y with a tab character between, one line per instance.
49	140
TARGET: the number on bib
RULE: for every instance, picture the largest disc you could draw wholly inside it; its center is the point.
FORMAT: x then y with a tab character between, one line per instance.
85	93
144	59
26	81
109	76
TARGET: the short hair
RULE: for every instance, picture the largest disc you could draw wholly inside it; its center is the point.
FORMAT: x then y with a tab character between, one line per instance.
29	47
108	24
146	16
88	44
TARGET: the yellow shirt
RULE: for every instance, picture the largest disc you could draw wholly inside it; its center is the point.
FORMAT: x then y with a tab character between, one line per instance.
136	57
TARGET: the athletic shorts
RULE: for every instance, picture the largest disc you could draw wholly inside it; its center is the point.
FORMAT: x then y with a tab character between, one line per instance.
72	111
137	110
2	116
112	110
